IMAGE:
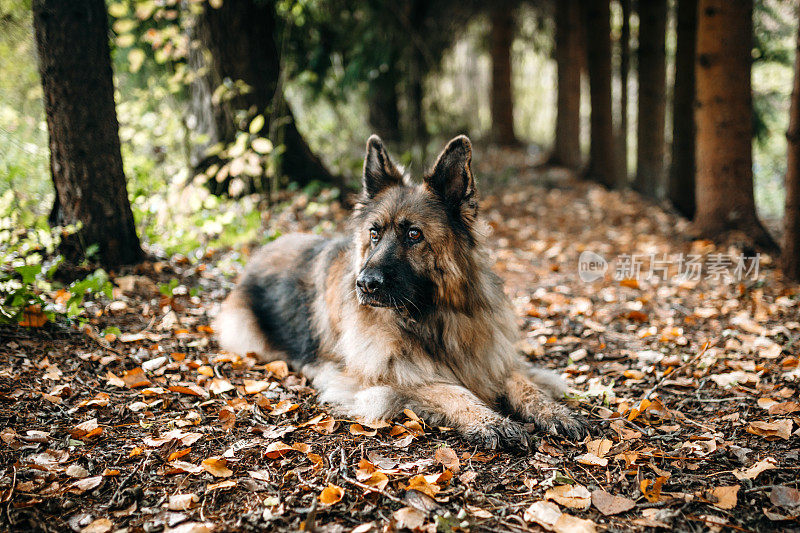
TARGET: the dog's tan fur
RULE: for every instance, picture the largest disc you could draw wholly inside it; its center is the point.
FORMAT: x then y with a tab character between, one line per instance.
453	362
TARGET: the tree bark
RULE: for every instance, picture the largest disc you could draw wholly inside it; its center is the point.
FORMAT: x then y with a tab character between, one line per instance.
502	101
567	147
790	259
85	158
382	98
598	46
624	71
240	38
680	189
652	97
724	188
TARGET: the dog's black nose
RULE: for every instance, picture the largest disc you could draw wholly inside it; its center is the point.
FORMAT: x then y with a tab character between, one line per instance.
369	281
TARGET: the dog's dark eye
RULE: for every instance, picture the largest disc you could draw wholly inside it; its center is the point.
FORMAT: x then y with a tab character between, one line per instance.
414	235
374	235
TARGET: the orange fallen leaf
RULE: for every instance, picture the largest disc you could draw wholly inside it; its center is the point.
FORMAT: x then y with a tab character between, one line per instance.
136	451
135	378
781	429
178	454
331	494
447	458
217	467
358	429
725	496
574	496
279	369
419	483
652	493
191	390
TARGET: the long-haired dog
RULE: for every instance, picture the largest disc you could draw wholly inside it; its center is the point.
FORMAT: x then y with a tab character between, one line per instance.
404	312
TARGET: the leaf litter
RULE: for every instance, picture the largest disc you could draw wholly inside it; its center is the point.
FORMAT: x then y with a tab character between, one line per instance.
691	387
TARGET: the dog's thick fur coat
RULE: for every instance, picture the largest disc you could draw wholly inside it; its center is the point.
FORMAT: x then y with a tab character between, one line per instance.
403	312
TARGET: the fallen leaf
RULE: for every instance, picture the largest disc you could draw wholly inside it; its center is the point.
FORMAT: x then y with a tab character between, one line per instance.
409	518
358	429
191	390
652	493
283	407
420	484
114	380
222	485
549	516
609	504
779	428
77	471
599	447
447	457
786	497
217	467
255	386
219	386
725	496
591	460
82	485
182	502
135	378
751	473
573	496
261	475
278	368
101	525
32	317
331	494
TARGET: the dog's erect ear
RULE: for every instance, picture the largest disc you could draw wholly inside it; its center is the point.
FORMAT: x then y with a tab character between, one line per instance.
379	171
451	178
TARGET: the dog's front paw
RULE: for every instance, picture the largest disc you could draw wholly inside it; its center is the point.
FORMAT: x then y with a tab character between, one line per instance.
559	420
502	433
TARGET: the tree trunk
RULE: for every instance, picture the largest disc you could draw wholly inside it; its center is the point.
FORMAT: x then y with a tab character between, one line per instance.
681	185
724	157
624	71
598	46
384	114
790	260
85	159
240	38
502	101
567	148
652	97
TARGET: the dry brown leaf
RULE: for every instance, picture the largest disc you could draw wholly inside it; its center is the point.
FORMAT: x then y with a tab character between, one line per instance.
447	457
786	497
767	463
573	496
358	429
591	460
378	480
217	467
609	504
279	369
191	390
550	517
219	386
283	407
261	475
331	494
135	378
419	483
82	485
177	454
725	496
222	485
255	386
33	317
409	518
100	525
778	429
652	492
599	447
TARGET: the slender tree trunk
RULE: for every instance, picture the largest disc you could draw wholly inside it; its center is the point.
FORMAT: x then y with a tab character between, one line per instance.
680	189
624	70
790	260
384	114
85	159
240	38
724	188
416	11
652	69
502	101
567	148
598	46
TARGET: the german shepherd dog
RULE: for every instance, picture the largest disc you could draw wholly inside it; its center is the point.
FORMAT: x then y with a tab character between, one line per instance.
405	312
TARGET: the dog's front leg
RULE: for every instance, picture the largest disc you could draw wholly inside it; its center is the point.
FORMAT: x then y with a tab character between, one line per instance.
455	405
535	406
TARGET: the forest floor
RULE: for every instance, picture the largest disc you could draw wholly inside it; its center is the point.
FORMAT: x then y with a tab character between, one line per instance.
691	386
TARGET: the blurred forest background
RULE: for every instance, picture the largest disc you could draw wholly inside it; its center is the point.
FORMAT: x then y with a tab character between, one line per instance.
225	106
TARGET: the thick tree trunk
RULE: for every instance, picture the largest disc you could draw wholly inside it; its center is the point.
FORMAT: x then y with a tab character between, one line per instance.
624	71
680	189
724	161
567	147
790	260
598	46
502	101
652	97
85	159
384	114
239	37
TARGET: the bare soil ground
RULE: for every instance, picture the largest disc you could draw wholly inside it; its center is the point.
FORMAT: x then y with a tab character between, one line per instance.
691	386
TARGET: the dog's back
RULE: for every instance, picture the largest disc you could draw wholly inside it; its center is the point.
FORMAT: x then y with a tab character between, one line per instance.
271	310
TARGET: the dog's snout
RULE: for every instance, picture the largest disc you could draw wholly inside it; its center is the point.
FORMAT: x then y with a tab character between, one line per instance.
370	281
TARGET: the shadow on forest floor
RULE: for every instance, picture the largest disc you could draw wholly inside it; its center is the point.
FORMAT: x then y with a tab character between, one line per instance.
691	385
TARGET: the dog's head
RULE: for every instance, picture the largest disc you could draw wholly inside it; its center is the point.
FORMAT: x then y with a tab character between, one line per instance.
415	242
